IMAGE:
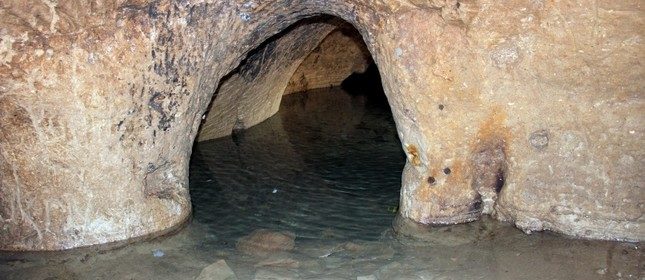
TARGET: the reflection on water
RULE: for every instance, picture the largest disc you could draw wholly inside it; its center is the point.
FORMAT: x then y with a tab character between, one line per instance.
326	168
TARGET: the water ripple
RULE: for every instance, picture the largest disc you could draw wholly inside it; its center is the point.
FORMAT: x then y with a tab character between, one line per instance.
308	170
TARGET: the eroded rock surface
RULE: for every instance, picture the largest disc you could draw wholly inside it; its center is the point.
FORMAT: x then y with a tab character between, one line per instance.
100	104
218	270
253	92
263	242
339	55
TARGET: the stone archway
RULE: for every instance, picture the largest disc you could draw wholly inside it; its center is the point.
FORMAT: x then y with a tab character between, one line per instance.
100	104
252	92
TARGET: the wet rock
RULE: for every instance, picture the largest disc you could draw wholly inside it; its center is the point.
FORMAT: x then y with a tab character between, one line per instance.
333	262
601	271
265	274
329	233
353	247
320	250
219	270
279	262
263	242
389	271
412	233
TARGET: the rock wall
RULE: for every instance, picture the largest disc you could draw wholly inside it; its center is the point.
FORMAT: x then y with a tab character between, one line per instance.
339	55
527	110
519	115
253	92
315	53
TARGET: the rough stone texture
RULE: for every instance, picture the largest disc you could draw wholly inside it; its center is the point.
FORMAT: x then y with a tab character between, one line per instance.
253	92
339	55
218	270
263	242
313	54
100	103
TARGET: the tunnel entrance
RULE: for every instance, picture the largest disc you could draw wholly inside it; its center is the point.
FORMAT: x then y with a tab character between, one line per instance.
326	165
100	104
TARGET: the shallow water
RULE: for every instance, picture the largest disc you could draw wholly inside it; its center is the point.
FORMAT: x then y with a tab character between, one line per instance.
327	168
304	170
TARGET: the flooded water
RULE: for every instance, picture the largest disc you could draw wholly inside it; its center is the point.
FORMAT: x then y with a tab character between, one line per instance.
323	177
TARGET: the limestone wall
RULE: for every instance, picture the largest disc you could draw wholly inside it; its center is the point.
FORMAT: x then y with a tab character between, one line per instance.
310	55
339	55
252	93
527	110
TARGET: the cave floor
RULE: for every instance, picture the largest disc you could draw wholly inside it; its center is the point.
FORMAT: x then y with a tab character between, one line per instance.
326	168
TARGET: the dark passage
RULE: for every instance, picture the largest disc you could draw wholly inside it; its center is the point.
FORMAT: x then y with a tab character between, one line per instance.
327	166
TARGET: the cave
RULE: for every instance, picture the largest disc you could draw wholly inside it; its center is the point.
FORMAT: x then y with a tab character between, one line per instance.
293	131
184	134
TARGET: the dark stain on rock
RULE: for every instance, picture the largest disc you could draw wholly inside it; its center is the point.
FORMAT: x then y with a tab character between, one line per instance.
431	180
165	122
500	180
155	102
151	167
488	159
237	134
194	13
539	139
476	205
153	12
16	124
148	119
251	67
118	125
489	167
165	117
155	182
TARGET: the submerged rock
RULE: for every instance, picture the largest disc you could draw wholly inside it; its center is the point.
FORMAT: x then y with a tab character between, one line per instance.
261	242
279	262
219	270
265	274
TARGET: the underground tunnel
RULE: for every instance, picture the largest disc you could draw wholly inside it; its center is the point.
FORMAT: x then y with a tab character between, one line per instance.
321	140
309	167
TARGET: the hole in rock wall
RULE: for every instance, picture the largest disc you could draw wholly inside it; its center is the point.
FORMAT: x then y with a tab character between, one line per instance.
299	140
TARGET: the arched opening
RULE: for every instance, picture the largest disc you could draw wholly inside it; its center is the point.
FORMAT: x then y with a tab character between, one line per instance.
299	138
99	106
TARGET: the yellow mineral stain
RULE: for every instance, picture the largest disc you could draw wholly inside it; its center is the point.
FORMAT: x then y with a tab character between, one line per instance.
413	155
492	130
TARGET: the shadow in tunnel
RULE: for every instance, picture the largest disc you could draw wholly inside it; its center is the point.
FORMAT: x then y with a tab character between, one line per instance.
326	166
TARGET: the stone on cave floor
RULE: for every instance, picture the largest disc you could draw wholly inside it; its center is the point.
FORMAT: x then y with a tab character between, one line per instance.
263	242
268	274
218	270
278	261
